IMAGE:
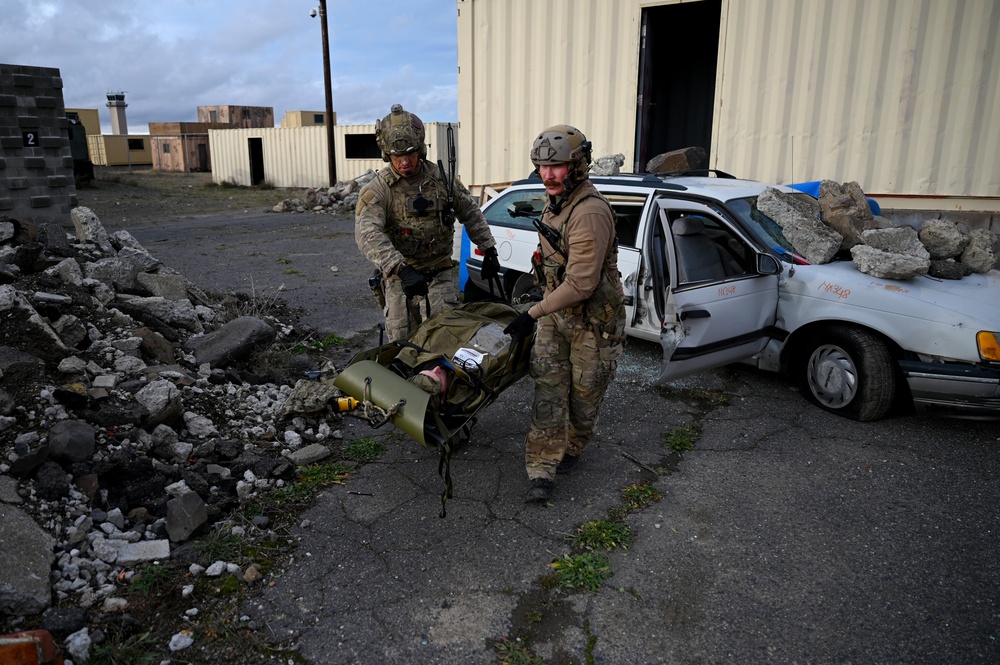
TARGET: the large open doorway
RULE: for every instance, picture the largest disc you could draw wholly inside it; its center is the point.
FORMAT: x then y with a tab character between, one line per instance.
679	51
256	147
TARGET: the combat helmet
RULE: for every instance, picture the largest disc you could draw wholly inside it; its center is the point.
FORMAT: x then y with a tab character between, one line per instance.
400	132
563	144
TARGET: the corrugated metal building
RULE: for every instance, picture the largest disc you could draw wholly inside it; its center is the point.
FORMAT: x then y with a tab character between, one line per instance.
901	96
305	119
89	118
119	150
297	156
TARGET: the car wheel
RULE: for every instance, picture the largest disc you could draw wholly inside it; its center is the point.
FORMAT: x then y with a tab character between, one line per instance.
521	286
849	372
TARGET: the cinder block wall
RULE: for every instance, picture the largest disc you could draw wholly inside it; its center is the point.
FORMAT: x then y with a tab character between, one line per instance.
36	165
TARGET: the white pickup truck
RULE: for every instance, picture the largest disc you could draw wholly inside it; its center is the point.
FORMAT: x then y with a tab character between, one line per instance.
855	344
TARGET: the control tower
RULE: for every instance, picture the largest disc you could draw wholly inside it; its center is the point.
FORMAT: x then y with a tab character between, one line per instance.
116	102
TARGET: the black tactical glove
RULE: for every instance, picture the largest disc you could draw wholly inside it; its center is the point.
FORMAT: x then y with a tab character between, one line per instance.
491	264
414	283
521	327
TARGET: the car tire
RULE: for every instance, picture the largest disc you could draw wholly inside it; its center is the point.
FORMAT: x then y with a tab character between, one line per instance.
520	286
849	372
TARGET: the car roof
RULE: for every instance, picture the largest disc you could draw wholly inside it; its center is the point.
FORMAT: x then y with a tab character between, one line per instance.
723	187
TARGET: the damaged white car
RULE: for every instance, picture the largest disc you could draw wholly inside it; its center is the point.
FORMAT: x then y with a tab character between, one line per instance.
716	282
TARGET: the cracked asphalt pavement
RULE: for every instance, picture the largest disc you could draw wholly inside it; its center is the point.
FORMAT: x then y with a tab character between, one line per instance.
787	534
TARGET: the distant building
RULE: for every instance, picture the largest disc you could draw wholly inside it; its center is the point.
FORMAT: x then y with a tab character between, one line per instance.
116	105
89	118
181	146
117	148
297	156
306	119
243	117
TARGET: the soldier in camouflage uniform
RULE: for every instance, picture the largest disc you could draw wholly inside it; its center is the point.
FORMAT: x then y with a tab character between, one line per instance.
405	226
581	318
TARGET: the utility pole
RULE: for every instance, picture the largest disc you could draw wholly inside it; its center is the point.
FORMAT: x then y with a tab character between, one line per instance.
332	155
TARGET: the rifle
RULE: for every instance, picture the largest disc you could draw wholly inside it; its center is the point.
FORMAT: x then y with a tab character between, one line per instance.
449	177
551	236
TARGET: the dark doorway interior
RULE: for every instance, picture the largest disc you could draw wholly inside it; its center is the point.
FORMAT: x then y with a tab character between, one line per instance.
202	157
256	161
679	51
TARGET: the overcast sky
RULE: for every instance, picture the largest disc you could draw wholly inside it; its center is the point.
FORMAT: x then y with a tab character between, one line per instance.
171	56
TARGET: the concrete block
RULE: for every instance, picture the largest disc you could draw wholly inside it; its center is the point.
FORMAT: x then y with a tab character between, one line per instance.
144	550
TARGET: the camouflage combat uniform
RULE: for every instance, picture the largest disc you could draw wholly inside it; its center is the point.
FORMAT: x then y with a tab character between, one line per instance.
580	334
401	221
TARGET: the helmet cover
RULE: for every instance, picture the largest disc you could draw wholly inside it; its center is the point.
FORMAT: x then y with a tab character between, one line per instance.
400	132
563	144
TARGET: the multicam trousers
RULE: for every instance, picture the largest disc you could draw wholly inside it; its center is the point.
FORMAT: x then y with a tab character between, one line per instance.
441	292
572	368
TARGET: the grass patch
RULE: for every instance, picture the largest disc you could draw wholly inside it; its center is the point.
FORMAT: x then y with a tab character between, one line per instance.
310	481
640	495
152	580
603	535
515	652
291	271
330	340
365	450
586	571
284	262
712	397
220	545
682	438
114	177
133	650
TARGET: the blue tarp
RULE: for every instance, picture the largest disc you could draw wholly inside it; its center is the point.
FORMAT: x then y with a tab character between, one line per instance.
812	189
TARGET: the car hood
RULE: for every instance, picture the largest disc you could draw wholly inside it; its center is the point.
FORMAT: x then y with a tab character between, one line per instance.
972	298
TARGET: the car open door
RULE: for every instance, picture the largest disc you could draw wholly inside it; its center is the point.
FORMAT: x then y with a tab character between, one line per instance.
631	209
718	294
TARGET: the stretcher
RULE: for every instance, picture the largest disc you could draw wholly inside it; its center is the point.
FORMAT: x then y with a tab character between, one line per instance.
432	384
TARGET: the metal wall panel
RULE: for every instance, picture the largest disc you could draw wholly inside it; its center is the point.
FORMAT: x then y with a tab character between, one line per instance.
113	150
292	157
297	156
899	95
528	64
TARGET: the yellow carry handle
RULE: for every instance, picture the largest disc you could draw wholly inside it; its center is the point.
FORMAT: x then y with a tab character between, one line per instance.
347	404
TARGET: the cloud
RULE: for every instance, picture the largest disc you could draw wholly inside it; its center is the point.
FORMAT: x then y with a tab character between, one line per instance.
171	57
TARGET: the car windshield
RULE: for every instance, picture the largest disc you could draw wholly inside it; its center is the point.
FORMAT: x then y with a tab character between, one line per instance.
766	228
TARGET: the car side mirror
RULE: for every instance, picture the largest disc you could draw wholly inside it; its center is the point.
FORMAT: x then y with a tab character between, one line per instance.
768	265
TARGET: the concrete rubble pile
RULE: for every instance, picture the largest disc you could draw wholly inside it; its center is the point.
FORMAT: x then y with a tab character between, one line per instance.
843	224
340	198
126	425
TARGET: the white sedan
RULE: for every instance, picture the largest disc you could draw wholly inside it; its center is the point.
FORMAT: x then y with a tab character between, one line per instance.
696	257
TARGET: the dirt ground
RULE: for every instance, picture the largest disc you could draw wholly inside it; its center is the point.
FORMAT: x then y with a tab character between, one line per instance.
122	197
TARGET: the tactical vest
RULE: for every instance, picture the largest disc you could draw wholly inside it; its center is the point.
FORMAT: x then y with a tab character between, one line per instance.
605	305
418	222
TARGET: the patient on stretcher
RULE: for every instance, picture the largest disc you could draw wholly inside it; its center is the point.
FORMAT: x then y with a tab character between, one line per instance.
438	378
